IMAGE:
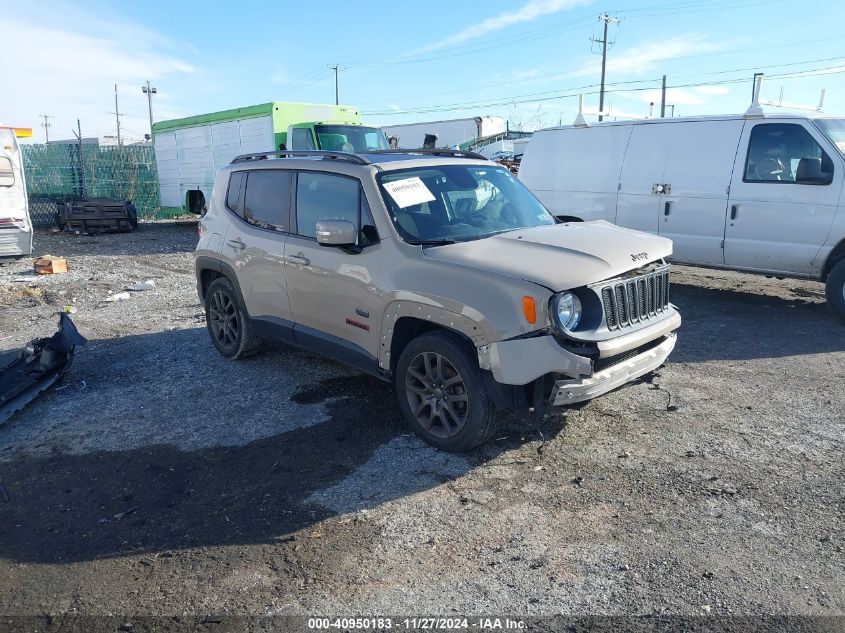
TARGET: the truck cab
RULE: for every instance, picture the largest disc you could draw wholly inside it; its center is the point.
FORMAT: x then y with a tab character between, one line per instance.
335	137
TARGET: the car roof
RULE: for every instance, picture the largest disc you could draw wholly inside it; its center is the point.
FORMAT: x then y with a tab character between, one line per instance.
383	161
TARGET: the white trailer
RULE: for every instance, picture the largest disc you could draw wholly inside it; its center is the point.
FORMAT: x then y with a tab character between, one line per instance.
450	133
15	223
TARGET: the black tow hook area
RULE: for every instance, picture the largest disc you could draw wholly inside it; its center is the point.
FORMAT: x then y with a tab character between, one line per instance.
26	373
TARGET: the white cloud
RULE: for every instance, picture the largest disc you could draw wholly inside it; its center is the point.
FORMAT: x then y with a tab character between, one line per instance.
712	90
637	60
529	12
677	96
68	64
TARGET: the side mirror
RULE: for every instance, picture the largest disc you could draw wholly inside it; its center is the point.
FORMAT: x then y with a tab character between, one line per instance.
336	233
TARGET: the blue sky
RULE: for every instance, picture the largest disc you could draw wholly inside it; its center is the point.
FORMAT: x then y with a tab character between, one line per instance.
526	60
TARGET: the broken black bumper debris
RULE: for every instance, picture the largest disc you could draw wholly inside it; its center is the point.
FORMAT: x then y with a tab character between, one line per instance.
26	373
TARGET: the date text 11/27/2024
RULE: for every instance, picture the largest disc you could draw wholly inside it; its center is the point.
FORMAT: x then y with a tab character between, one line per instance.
415	624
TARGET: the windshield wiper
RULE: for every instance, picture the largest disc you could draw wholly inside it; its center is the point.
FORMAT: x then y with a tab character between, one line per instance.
430	242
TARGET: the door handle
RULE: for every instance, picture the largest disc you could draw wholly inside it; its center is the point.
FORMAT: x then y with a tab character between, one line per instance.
237	244
667	208
299	258
734	209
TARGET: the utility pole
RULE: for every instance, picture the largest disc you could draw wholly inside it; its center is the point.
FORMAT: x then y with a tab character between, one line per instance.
81	160
663	99
117	115
336	69
149	91
46	125
607	20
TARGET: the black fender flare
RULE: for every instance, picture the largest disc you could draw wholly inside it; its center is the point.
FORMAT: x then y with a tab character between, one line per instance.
203	263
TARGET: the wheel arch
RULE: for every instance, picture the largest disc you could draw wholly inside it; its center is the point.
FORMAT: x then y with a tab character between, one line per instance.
208	269
836	255
404	320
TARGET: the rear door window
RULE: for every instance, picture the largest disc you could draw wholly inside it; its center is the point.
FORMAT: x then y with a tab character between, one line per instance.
266	201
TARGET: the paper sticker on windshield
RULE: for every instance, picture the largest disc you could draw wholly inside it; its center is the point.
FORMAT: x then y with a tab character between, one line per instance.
841	145
408	191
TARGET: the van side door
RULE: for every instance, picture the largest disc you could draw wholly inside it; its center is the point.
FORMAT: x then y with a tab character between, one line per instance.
696	179
333	293
783	199
638	201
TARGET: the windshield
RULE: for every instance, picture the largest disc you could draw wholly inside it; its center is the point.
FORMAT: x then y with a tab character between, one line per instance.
350	138
835	131
454	203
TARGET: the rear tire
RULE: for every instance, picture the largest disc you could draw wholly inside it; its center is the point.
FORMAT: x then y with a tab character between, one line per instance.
442	393
835	289
227	322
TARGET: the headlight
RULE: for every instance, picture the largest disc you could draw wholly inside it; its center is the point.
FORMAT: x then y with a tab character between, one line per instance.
566	307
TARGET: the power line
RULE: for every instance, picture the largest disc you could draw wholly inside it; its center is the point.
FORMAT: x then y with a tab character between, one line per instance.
574	92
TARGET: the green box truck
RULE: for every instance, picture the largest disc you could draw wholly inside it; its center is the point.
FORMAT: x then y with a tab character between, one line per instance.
190	150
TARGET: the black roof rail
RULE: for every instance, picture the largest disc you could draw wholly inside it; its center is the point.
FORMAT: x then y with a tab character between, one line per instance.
456	153
326	155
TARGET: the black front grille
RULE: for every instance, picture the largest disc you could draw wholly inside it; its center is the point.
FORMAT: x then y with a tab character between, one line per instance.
604	363
632	301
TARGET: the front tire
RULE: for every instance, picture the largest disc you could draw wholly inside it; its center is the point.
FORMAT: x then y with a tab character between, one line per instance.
442	393
835	289
227	322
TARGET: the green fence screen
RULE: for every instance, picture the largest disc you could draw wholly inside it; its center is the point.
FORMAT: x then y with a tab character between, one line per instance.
58	172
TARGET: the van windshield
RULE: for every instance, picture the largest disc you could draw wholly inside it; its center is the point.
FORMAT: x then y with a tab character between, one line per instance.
835	131
350	138
457	203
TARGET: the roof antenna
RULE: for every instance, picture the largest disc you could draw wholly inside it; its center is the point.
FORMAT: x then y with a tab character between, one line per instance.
580	121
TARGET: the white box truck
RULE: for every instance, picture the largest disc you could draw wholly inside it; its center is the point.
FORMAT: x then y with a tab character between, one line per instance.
189	151
756	193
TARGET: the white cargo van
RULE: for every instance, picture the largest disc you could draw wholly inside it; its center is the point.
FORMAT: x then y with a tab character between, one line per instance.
15	224
757	193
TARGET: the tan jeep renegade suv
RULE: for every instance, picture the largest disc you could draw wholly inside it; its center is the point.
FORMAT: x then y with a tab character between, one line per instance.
438	271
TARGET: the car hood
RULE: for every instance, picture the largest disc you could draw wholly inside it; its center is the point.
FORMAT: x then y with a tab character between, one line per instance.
559	256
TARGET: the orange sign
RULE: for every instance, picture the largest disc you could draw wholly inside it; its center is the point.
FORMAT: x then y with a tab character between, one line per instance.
23	132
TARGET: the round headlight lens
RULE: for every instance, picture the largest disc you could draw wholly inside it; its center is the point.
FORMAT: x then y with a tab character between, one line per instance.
568	308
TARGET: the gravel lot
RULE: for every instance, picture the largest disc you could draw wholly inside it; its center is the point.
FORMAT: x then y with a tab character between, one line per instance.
161	479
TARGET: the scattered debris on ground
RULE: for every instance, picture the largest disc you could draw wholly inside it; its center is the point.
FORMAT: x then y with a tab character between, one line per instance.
27	373
734	501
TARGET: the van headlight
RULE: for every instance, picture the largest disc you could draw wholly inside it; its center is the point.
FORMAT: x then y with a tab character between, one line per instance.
566	310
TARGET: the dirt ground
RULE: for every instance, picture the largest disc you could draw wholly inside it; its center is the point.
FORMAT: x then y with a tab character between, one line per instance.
162	479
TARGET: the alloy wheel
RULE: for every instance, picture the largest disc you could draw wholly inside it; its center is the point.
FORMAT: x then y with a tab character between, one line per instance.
437	394
223	319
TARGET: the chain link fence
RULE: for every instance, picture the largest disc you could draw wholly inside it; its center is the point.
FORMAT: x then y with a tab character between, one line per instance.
57	172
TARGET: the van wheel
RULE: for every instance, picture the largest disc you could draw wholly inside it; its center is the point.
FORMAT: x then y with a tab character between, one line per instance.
442	393
227	322
835	289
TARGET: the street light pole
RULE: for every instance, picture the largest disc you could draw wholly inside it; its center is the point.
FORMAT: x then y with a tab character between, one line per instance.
149	91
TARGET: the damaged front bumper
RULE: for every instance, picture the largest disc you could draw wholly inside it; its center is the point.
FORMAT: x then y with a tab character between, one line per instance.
608	379
26	373
577	378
